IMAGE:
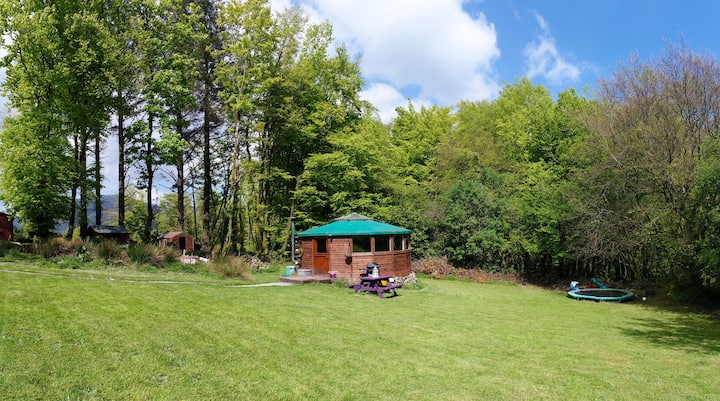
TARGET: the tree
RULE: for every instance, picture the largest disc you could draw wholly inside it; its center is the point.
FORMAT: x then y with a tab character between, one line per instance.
652	123
207	50
475	228
166	90
415	137
283	96
35	173
56	63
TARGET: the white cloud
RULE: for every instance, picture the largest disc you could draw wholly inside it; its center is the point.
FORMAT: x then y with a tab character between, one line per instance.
385	98
431	45
544	60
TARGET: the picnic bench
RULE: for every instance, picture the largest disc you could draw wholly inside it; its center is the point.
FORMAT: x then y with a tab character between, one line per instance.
376	284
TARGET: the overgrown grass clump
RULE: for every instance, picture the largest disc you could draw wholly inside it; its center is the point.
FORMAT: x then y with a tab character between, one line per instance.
107	251
154	255
55	247
233	267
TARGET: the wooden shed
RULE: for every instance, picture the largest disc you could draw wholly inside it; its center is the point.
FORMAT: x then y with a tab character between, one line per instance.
182	241
350	243
6	227
117	233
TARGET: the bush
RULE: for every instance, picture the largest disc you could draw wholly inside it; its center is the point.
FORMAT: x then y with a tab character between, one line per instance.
106	250
55	247
154	255
170	254
143	254
232	267
10	249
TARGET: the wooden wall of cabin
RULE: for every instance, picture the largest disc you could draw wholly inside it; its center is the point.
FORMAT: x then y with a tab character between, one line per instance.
308	252
392	263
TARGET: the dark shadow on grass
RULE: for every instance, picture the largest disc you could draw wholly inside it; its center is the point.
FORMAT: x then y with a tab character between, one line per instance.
692	332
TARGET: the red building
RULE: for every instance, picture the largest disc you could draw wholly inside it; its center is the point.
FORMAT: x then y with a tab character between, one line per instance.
181	240
6	227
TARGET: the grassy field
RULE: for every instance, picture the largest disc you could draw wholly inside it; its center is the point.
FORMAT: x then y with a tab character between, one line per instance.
131	336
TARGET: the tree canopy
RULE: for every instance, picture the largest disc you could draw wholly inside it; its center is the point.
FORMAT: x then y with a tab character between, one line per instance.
256	116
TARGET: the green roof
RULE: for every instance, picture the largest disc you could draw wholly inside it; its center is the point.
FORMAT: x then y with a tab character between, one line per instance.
354	225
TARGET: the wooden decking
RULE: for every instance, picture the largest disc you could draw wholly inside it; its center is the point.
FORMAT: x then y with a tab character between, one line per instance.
315	278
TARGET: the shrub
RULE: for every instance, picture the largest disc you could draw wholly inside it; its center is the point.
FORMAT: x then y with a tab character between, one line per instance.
154	255
8	248
169	254
232	267
106	250
55	247
141	254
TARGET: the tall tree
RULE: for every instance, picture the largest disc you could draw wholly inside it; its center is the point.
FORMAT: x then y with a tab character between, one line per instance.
208	50
57	59
654	119
166	90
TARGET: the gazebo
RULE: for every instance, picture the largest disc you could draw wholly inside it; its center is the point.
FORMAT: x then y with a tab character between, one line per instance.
348	244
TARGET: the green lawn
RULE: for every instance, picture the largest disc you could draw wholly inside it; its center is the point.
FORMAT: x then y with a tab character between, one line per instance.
95	336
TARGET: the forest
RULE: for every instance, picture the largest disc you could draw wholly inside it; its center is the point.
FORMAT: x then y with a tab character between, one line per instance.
255	117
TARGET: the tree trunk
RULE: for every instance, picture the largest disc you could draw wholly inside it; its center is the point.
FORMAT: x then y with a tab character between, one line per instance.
207	172
82	165
121	169
98	181
149	166
180	179
73	191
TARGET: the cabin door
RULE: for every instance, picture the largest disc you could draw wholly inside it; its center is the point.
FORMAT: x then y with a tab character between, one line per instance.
321	263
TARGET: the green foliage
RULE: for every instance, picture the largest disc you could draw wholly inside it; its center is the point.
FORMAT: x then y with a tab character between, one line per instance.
474	228
706	218
34	174
622	186
135	220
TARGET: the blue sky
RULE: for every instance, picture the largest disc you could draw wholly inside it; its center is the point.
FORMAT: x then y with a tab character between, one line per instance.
444	51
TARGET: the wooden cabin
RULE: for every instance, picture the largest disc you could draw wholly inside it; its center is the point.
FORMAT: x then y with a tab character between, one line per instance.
182	241
350	243
6	227
117	233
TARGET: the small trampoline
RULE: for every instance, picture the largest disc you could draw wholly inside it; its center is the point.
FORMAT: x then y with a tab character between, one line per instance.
601	294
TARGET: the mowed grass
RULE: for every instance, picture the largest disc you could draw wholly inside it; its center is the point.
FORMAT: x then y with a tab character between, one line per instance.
74	338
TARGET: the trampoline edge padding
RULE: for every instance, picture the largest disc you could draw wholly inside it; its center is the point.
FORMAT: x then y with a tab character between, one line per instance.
602	294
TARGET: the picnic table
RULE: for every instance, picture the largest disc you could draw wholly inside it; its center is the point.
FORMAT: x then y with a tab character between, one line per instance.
376	284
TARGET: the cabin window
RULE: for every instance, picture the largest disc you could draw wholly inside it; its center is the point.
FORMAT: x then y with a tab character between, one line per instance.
398	243
361	244
321	246
382	243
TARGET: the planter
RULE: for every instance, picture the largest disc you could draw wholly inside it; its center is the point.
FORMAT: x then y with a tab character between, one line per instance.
304	272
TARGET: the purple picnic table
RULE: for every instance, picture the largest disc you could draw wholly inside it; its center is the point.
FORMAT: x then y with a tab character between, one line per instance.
376	284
